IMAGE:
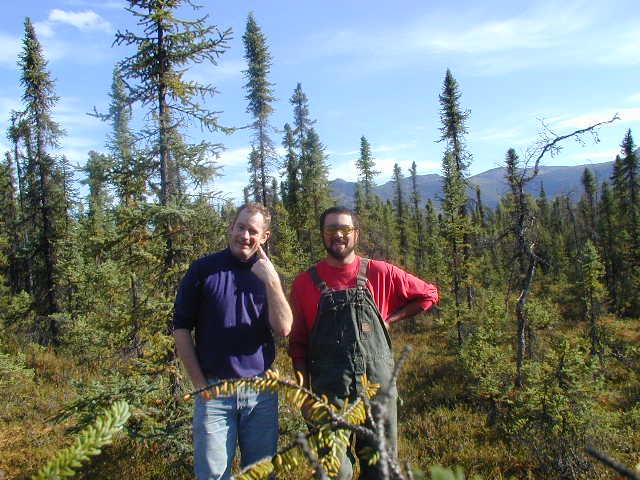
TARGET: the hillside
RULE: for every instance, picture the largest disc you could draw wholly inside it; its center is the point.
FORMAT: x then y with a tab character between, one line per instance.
557	180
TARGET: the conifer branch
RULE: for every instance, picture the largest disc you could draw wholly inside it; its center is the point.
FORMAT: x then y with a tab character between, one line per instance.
87	444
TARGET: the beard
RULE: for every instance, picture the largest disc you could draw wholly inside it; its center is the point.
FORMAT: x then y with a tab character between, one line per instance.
339	250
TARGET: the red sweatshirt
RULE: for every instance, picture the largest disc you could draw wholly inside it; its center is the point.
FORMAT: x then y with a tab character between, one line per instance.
391	287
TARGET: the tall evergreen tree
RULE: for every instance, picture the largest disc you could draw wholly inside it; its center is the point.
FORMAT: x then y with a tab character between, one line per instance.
97	169
400	208
167	46
366	171
417	220
588	204
9	221
364	200
291	190
315	197
630	223
129	171
593	295
632	180
305	169
39	100
302	121
260	97
454	167
454	128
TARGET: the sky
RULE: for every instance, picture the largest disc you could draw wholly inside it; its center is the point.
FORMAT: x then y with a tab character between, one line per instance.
372	68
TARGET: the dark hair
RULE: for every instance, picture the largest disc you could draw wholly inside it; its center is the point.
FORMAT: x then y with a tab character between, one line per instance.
253	208
340	209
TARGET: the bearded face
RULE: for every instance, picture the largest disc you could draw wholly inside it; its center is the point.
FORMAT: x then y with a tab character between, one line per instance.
339	236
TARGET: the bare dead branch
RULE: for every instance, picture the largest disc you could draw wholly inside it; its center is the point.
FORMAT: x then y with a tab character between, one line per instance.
623	470
551	146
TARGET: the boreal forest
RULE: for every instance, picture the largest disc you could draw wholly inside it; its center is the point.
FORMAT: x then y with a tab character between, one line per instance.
529	367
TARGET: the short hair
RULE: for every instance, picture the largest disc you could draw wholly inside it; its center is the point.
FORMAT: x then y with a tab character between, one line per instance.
253	208
339	210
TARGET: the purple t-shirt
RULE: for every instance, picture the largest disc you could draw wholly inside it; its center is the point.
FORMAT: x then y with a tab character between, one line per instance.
226	303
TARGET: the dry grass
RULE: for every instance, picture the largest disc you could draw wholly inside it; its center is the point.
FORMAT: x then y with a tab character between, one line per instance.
438	420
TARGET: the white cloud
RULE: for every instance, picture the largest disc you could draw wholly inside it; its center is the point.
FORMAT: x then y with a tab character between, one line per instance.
595	156
230	187
590	118
546	34
113	5
344	170
85	20
44	29
491	135
392	147
9	50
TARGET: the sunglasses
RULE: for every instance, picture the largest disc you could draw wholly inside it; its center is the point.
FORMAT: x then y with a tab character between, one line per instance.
343	229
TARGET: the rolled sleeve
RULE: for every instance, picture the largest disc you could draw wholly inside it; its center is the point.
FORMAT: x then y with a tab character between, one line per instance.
412	288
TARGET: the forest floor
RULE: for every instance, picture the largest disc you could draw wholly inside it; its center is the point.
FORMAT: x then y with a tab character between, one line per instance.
437	421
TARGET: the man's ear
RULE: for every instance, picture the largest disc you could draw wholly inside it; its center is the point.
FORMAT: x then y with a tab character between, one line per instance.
265	236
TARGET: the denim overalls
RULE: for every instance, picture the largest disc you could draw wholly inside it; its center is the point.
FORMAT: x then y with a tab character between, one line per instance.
349	339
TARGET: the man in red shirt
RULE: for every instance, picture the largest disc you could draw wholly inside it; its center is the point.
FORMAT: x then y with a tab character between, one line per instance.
341	309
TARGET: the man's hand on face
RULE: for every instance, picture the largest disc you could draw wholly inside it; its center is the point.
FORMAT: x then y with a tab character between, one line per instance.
264	269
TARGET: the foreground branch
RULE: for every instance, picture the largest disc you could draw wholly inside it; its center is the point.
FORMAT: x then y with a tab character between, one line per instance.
623	470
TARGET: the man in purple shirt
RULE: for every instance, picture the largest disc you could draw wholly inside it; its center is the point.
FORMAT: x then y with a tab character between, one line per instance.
233	299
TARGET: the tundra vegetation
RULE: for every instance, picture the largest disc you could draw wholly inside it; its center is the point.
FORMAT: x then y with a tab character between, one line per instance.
528	368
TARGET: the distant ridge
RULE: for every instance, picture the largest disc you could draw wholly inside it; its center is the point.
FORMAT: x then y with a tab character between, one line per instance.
492	183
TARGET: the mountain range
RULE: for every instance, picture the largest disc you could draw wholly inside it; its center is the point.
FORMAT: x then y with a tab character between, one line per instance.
557	180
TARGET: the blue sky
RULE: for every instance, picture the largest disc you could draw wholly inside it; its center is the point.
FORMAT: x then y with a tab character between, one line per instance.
372	68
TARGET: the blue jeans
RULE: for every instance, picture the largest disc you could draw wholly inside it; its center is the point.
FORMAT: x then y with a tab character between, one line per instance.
248	417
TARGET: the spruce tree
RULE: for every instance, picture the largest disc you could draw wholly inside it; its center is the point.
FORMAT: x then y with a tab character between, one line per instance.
417	221
631	177
43	134
366	171
364	201
129	170
588	204
9	221
454	167
593	295
453	119
309	174
610	246
97	169
315	196
291	186
260	97
154	77
302	122
400	208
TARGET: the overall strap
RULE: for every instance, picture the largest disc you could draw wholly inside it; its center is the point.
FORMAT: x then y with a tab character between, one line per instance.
362	272
319	283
